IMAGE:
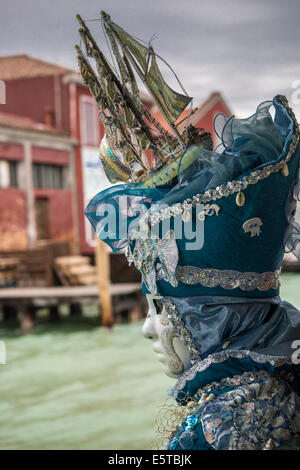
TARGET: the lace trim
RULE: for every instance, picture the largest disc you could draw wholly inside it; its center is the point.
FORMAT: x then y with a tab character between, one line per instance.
178	324
223	356
292	236
242	379
230	187
235	381
228	279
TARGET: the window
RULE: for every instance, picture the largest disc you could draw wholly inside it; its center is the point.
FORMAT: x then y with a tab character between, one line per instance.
47	176
8	174
42	219
89	122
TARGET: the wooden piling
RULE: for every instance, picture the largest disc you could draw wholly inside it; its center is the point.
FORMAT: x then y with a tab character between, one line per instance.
103	281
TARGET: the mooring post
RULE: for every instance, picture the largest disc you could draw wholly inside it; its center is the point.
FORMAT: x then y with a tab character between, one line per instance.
103	280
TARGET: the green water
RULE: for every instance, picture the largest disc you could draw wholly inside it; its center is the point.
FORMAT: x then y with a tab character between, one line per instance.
77	386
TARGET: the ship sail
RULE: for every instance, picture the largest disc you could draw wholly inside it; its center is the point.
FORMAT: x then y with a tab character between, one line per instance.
170	102
139	51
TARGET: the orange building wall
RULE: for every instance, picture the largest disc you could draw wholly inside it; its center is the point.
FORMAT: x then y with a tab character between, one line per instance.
207	121
13	220
60	212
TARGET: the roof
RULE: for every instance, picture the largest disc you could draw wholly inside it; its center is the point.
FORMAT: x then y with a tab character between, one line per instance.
24	123
214	98
74	77
23	66
14	67
160	118
198	113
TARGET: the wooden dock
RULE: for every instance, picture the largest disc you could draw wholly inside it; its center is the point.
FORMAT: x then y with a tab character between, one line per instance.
82	283
25	301
61	294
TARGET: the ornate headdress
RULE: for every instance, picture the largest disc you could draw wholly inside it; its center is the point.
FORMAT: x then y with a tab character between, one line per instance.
241	197
130	128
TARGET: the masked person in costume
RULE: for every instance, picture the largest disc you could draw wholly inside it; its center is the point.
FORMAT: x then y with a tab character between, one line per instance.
208	231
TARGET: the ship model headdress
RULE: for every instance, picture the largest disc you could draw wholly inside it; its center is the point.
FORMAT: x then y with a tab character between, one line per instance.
130	128
246	188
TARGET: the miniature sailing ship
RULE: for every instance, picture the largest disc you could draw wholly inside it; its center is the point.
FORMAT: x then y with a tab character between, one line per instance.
130	128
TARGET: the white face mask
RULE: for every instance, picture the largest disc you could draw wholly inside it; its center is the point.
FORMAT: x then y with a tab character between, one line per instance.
170	349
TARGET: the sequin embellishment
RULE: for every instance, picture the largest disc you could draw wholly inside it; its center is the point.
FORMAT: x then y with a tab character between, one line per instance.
209	209
228	279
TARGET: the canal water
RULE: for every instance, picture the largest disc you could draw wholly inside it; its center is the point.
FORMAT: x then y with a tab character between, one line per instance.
74	385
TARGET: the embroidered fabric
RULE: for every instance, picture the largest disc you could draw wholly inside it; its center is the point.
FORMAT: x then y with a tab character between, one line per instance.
235	381
251	417
185	435
223	356
253	410
228	279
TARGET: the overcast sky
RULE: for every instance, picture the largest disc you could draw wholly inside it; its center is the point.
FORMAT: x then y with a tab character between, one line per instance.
246	49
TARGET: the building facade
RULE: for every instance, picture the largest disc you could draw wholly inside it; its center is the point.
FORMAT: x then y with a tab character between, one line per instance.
49	140
36	184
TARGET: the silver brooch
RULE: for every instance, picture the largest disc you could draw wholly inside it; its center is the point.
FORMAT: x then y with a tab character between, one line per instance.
253	226
209	209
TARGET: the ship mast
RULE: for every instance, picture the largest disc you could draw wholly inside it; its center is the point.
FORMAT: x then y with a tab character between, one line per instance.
170	103
130	128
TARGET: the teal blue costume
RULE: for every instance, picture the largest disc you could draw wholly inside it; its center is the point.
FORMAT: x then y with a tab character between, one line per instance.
223	298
